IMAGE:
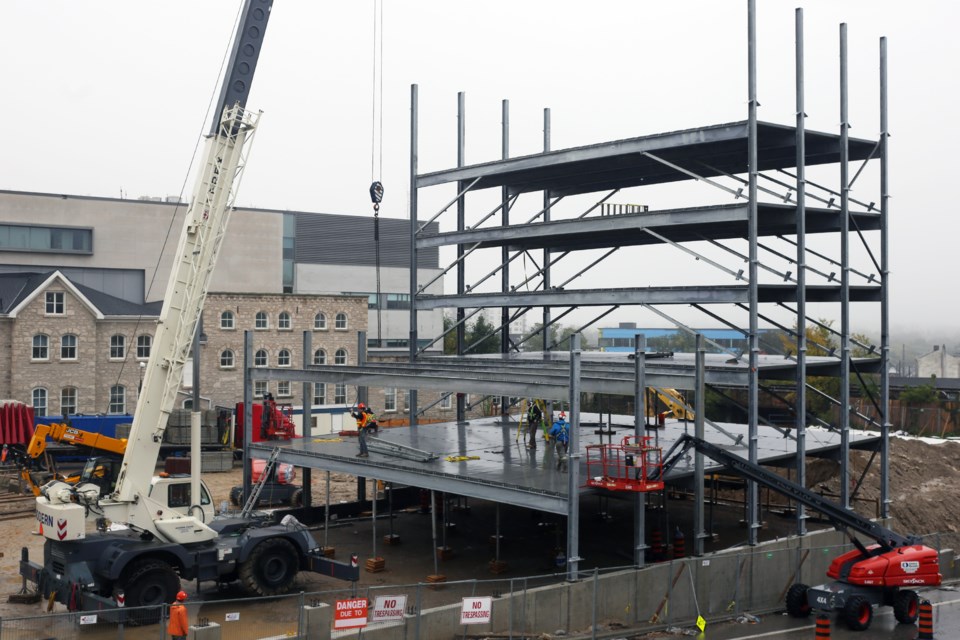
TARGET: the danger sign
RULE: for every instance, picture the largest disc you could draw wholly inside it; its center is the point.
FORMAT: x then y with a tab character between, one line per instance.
387	608
350	614
476	610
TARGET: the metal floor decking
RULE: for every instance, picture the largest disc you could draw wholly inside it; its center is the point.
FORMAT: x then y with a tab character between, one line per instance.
506	470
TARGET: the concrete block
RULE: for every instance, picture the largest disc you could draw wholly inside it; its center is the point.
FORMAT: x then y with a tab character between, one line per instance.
317	621
209	632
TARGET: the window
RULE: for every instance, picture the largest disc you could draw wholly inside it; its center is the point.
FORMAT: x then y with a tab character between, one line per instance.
226	359
260	388
15	237
143	346
68	401
260	358
341	322
226	321
118	346
398	301
283	321
39	402
340	357
178	495
261	321
320	322
283	389
406	400
283	358
41	347
319	393
118	399
340	393
445	401
68	347
319	357
54	305
389	399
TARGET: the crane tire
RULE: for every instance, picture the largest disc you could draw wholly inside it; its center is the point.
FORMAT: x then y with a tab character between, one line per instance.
271	568
797	605
148	583
858	613
906	606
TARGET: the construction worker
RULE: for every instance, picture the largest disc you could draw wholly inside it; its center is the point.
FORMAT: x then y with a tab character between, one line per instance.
361	416
534	418
560	435
178	627
372	424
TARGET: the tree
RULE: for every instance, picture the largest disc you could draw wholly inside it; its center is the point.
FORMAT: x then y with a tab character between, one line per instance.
484	333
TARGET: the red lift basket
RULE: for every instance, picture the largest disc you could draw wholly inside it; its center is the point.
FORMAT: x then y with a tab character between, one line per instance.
632	465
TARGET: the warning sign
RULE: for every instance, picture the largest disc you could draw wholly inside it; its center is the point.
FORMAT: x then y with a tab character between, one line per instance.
350	614
387	608
476	610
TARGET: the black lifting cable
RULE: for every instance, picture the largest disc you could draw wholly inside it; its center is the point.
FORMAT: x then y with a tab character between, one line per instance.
376	147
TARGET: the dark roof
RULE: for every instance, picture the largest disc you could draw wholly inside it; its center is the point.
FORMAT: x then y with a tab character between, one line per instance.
16	287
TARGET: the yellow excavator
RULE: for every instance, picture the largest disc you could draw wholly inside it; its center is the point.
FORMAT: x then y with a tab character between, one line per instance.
675	403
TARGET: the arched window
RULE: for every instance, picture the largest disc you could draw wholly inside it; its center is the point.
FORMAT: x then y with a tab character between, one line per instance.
340	357
260	358
143	346
41	347
226	359
283	321
68	401
118	347
341	322
320	322
68	347
283	358
261	322
118	399
226	320
39	402
319	357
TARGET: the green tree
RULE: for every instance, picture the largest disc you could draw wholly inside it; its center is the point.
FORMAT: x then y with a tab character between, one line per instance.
924	394
449	337
483	332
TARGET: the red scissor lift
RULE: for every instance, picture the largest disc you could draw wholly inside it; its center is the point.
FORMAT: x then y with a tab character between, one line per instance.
633	465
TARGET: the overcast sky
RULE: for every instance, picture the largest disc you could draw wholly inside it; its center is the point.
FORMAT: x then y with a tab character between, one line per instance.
108	98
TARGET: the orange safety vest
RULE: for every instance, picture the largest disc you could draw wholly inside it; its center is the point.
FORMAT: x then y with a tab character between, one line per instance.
178	621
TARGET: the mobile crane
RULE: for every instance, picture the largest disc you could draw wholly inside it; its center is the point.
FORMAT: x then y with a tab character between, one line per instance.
882	574
158	546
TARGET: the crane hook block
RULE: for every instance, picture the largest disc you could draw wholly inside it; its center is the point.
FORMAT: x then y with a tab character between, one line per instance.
376	192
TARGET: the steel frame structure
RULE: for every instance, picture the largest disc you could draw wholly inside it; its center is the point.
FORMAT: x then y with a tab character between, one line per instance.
708	154
717	155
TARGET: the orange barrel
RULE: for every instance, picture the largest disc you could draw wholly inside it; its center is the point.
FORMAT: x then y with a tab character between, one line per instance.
656	543
926	621
679	544
823	627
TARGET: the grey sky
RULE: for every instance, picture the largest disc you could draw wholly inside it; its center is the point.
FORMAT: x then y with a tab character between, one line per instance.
109	97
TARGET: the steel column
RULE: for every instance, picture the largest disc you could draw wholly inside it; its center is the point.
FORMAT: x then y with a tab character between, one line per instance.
247	409
884	291
414	150
801	186
844	278
639	430
504	252
307	404
573	463
461	248
753	393
546	218
698	421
